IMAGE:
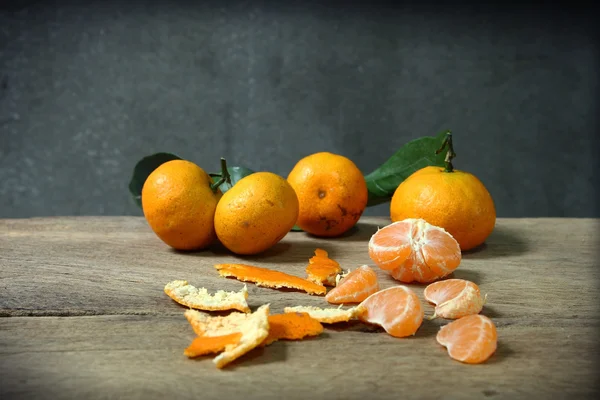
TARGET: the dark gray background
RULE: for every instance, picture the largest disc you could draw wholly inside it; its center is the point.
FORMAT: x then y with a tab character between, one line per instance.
87	90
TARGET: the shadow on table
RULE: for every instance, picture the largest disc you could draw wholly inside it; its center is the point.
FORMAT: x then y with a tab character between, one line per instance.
361	232
273	353
428	328
490	312
459	273
467	274
276	352
278	250
503	351
502	242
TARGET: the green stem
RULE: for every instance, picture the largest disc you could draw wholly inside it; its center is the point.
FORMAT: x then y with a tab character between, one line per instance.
450	154
223	178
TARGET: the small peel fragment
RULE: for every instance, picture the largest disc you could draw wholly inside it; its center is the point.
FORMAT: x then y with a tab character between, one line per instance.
212	330
199	298
203	345
205	324
254	330
322	270
326	315
292	326
220	333
341	276
269	278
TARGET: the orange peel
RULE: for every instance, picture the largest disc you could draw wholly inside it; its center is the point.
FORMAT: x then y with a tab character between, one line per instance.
203	345
253	327
205	324
322	270
292	326
269	278
199	298
326	315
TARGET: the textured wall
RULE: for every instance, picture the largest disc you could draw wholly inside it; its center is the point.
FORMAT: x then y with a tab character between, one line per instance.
86	90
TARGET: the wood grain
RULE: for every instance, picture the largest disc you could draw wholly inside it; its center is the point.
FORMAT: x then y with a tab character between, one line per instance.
89	318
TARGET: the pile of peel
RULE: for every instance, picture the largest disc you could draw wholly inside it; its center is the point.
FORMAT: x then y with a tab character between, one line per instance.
396	309
242	330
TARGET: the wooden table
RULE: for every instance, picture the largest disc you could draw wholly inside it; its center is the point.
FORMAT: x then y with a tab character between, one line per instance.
89	319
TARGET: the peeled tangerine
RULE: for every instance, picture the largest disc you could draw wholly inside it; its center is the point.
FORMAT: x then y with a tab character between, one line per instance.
471	339
396	309
414	250
454	298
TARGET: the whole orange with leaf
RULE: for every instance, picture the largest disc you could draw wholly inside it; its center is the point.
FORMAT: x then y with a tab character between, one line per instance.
332	193
448	198
256	213
179	204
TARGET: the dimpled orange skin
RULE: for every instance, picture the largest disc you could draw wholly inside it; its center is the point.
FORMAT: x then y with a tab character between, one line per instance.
332	192
256	213
179	205
456	201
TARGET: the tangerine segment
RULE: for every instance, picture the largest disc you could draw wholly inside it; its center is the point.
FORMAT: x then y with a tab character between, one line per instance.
396	309
471	339
321	269
325	315
190	296
203	345
454	298
292	326
390	246
254	329
269	278
354	287
414	250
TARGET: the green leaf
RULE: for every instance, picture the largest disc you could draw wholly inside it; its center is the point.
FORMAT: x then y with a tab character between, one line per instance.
296	228
414	155
235	174
142	169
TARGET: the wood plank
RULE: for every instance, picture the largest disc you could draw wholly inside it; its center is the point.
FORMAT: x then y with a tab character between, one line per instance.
541	277
534	269
141	357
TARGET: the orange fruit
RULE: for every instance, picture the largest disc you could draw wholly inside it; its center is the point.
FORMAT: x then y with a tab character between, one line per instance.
332	193
456	201
471	339
356	286
454	298
396	309
256	213
414	250
179	205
